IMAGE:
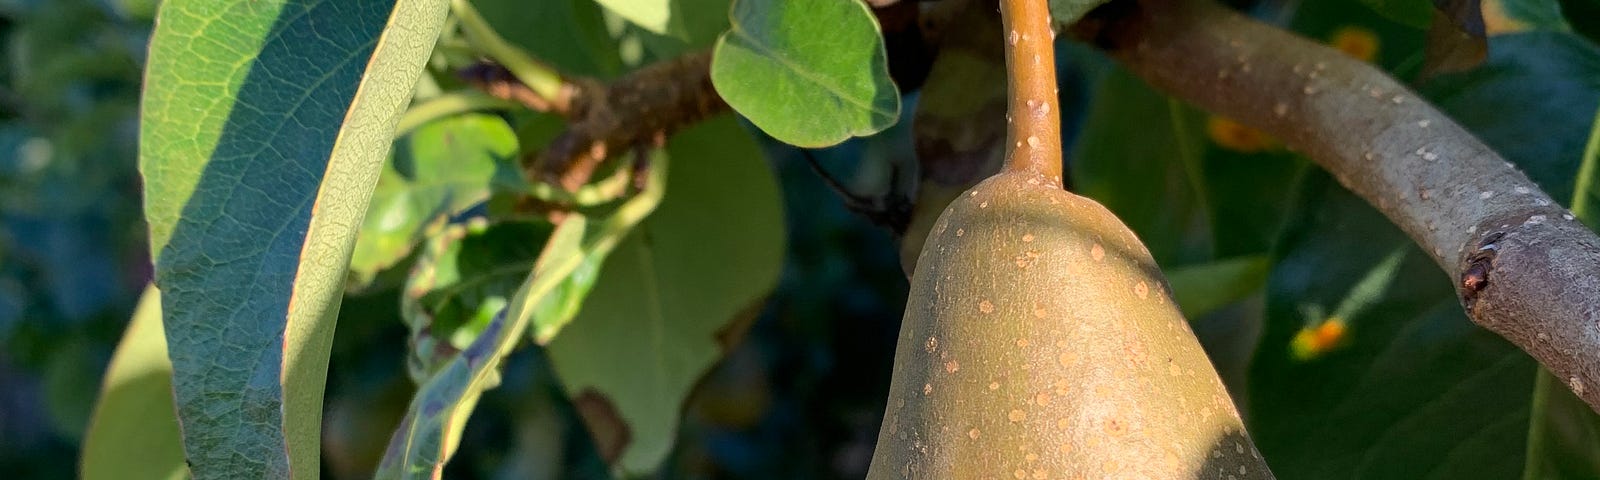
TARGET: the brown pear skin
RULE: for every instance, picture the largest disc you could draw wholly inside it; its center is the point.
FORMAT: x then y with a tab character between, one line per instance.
1041	342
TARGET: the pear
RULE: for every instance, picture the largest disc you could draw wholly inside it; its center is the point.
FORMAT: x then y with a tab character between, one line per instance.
1041	341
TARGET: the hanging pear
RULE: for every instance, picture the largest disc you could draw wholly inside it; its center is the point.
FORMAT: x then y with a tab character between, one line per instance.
1040	339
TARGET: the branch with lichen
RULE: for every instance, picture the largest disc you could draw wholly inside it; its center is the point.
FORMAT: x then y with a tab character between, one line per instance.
1522	266
641	108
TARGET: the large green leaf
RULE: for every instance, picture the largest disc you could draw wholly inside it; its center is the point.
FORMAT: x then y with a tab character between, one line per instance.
811	73
650	327
439	170
134	432
649	330
1403	385
264	129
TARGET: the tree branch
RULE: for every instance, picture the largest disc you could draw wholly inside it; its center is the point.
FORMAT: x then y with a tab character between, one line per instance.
642	107
1524	267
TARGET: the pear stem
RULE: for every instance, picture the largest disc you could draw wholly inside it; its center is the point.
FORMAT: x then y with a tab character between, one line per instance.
1033	143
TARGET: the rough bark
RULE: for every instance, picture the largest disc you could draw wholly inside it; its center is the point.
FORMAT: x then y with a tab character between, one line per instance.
1522	265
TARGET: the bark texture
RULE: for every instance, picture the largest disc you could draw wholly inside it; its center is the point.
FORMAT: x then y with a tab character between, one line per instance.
1523	266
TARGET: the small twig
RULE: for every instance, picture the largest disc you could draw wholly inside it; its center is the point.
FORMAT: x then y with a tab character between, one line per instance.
645	106
541	78
891	210
500	83
640	109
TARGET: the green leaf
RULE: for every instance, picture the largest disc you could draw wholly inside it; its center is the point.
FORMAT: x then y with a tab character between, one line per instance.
439	170
1402	385
570	35
1150	184
654	15
695	21
1066	12
265	125
1416	13
134	431
428	436
1564	432
1406	386
1203	288
650	329
431	430
463	278
467	274
811	73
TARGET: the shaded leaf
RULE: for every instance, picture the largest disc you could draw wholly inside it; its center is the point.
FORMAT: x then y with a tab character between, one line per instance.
1068	11
264	128
134	431
811	73
1154	184
1416	13
649	330
439	170
1405	382
570	35
1203	288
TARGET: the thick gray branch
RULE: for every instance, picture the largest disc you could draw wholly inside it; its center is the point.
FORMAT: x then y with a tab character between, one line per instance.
1523	266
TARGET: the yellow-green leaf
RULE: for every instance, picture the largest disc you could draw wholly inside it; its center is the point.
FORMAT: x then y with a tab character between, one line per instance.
134	431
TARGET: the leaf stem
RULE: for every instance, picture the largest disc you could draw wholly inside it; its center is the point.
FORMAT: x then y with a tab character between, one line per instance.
1034	135
538	76
1533	463
445	105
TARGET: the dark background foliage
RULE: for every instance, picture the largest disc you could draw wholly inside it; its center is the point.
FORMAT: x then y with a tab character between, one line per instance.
802	395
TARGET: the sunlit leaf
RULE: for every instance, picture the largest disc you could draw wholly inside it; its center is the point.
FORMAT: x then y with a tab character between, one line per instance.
812	73
429	434
265	125
134	432
439	170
